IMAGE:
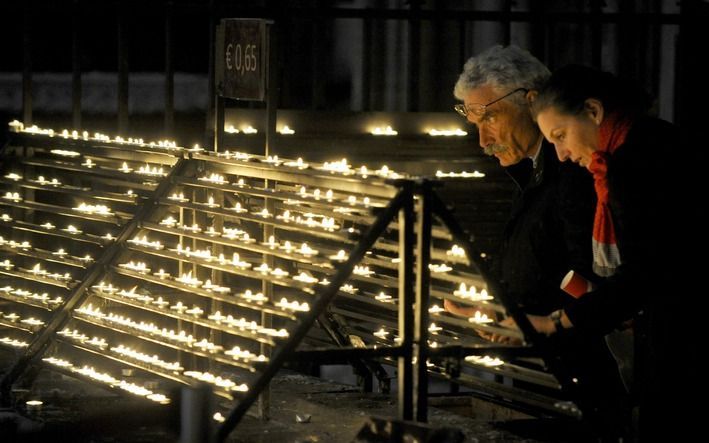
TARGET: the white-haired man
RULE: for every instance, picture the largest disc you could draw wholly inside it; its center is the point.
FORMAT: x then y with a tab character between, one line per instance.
551	221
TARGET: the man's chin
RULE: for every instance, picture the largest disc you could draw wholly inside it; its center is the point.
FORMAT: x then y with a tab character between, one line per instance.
505	161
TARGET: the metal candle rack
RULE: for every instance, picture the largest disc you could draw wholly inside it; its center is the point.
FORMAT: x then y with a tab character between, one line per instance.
190	267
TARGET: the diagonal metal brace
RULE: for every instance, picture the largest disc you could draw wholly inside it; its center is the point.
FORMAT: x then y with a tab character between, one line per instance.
324	297
43	339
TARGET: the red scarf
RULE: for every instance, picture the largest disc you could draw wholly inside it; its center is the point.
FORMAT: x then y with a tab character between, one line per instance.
612	132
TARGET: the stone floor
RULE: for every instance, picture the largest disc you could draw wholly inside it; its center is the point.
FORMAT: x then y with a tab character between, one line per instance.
303	409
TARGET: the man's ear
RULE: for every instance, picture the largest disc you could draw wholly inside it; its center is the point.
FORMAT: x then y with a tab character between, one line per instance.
531	95
594	109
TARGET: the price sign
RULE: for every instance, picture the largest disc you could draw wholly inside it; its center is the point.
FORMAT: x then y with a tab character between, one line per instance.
242	51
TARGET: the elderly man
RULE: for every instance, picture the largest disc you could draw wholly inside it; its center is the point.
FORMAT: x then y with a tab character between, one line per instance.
551	221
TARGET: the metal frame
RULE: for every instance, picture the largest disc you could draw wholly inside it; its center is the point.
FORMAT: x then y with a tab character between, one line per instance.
414	205
42	340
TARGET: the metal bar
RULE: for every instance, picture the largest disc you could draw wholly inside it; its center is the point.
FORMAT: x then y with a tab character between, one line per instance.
423	287
76	66
596	35
272	88
402	13
322	301
264	400
506	22
210	135
406	302
346	354
27	64
448	14
218	129
169	124
366	57
43	339
123	86
538	30
414	55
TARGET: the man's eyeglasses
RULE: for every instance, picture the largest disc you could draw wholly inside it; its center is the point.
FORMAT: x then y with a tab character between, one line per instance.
479	109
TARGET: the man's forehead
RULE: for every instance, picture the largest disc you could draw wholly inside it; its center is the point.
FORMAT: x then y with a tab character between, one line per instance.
482	94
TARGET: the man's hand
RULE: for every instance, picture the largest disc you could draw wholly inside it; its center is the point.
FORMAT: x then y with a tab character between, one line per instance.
456	309
509	322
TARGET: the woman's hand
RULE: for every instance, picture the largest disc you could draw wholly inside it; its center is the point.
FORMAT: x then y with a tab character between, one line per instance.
542	324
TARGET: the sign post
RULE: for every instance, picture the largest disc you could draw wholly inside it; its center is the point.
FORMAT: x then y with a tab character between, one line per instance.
245	70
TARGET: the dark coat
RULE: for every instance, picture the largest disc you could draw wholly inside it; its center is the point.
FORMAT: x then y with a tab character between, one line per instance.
549	232
650	178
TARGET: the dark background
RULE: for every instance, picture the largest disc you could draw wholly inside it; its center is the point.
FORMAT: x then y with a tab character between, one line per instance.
357	55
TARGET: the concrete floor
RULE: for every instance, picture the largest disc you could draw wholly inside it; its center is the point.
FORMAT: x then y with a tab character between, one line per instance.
304	409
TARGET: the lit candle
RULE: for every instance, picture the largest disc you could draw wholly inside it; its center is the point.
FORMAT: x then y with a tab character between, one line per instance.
480	318
381	333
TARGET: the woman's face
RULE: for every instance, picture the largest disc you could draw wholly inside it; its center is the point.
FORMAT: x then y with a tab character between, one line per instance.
575	137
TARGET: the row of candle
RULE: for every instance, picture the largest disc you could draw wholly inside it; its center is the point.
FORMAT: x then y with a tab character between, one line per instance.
143	170
309	220
26	245
18	126
93	209
179	307
125	351
38	271
40	179
376	130
205	254
14	244
181	336
108	379
341	166
218	381
44	297
13	342
196	311
14	317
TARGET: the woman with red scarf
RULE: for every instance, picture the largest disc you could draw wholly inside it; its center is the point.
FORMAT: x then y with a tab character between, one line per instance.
643	172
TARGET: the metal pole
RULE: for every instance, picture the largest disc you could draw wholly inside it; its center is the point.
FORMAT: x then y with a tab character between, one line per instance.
122	72
272	89
27	64
596	36
406	302
76	66
211	124
169	124
414	55
196	414
423	281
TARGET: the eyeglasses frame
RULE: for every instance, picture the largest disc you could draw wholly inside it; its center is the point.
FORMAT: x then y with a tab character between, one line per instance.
462	108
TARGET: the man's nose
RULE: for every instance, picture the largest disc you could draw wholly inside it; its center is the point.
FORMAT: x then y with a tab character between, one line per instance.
485	137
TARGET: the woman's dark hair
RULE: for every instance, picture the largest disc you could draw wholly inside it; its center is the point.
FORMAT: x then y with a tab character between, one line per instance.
568	88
